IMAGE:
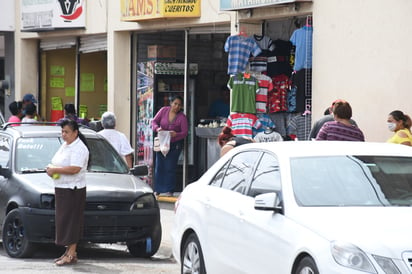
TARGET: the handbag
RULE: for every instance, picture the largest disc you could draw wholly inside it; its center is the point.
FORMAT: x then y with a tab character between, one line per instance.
156	144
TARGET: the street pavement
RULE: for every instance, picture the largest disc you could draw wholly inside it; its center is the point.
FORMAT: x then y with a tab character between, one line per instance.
100	258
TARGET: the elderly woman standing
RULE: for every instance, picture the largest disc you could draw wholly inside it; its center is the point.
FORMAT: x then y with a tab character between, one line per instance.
68	169
172	119
400	123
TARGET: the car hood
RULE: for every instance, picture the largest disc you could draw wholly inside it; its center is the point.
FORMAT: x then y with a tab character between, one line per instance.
115	185
383	229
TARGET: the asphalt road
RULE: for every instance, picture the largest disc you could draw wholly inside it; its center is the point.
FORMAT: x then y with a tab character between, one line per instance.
108	258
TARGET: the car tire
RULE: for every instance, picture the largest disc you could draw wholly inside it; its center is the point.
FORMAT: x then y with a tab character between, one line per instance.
148	247
15	240
307	266
192	256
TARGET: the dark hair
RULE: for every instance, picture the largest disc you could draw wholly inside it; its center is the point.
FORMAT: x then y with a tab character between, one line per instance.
342	110
70	109
30	109
400	116
15	107
73	125
177	97
225	136
327	111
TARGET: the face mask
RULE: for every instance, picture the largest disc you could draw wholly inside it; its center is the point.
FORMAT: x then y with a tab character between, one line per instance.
391	126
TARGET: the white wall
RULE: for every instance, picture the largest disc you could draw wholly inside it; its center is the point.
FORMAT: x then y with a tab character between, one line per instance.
361	54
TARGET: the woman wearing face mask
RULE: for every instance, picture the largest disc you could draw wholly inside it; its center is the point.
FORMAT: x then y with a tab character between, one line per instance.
400	123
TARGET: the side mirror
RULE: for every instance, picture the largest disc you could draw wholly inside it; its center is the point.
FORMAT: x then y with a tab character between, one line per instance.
140	170
5	172
269	201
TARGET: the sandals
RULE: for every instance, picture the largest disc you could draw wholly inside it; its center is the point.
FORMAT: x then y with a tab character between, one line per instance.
67	260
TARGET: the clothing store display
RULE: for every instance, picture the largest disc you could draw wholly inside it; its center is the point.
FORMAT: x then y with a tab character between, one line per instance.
302	79
281	120
277	97
244	88
239	48
265	85
300	125
278	59
242	124
264	42
302	39
266	122
268	136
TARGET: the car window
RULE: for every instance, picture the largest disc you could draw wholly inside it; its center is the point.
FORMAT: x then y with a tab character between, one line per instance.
5	143
239	171
267	176
35	153
345	181
104	158
217	180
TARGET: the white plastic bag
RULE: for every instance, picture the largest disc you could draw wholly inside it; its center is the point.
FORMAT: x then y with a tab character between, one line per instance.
164	139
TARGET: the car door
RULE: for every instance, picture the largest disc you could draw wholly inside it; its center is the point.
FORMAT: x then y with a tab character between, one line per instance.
264	233
5	161
223	216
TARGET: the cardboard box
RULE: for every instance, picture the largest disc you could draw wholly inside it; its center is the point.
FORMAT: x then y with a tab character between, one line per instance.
161	53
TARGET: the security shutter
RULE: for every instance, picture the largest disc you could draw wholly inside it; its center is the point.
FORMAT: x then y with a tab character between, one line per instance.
93	43
57	43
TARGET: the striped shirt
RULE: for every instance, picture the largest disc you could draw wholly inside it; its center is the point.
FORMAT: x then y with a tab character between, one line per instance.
239	48
336	131
243	123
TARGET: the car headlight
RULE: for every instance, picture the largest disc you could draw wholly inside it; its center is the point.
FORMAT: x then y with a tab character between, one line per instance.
351	256
47	201
386	264
144	202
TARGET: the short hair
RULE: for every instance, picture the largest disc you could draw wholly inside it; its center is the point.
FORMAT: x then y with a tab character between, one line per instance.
342	110
108	120
15	107
70	109
30	109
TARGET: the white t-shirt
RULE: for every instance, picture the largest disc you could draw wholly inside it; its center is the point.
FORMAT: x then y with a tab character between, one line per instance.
118	140
28	120
262	137
75	154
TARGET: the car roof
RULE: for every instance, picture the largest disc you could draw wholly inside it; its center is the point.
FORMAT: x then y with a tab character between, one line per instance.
332	148
40	130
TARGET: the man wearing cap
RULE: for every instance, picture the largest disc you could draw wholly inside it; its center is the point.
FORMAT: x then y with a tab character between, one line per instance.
27	99
327	118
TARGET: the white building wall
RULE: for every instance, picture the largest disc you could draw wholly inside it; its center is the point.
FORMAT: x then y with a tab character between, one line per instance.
361	55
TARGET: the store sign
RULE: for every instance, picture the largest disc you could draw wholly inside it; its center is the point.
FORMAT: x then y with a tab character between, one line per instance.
41	15
248	4
136	10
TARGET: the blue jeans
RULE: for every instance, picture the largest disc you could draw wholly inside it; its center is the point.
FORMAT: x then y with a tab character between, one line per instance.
165	168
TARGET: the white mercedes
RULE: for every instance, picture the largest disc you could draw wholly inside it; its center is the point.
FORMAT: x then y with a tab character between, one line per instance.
299	207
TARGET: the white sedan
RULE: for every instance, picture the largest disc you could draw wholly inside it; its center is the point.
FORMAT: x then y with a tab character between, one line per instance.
299	207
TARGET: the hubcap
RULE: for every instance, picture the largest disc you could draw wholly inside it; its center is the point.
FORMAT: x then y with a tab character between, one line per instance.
191	259
306	270
14	235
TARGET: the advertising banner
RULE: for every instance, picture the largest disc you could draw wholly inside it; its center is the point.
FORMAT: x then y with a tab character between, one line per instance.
42	15
248	4
136	10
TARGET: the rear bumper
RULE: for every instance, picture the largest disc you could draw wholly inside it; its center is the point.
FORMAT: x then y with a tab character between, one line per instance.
99	226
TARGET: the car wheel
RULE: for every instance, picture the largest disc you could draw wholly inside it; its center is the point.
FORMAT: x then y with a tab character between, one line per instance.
15	240
147	247
307	266
192	256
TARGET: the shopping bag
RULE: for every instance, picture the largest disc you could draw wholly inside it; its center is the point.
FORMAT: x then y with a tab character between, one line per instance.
156	144
164	139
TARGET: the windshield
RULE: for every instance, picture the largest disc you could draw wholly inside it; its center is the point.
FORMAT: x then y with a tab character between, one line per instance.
352	181
34	154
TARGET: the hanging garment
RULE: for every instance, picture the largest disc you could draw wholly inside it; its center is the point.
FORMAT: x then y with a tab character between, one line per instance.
239	48
244	88
302	39
265	85
266	122
278	96
300	126
242	124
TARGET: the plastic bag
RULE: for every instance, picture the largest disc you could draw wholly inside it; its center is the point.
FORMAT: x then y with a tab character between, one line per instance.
164	139
156	144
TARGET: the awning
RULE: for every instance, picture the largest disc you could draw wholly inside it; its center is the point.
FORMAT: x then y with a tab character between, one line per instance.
248	4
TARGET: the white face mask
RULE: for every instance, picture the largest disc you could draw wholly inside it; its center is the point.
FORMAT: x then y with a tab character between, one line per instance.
391	126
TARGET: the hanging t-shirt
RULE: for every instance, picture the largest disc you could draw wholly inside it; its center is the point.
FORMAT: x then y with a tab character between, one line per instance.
277	97
263	137
302	39
239	48
265	85
266	123
243	93
300	126
242	124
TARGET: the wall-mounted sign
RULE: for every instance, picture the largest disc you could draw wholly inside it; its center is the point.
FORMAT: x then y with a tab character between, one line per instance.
248	4
136	10
42	15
